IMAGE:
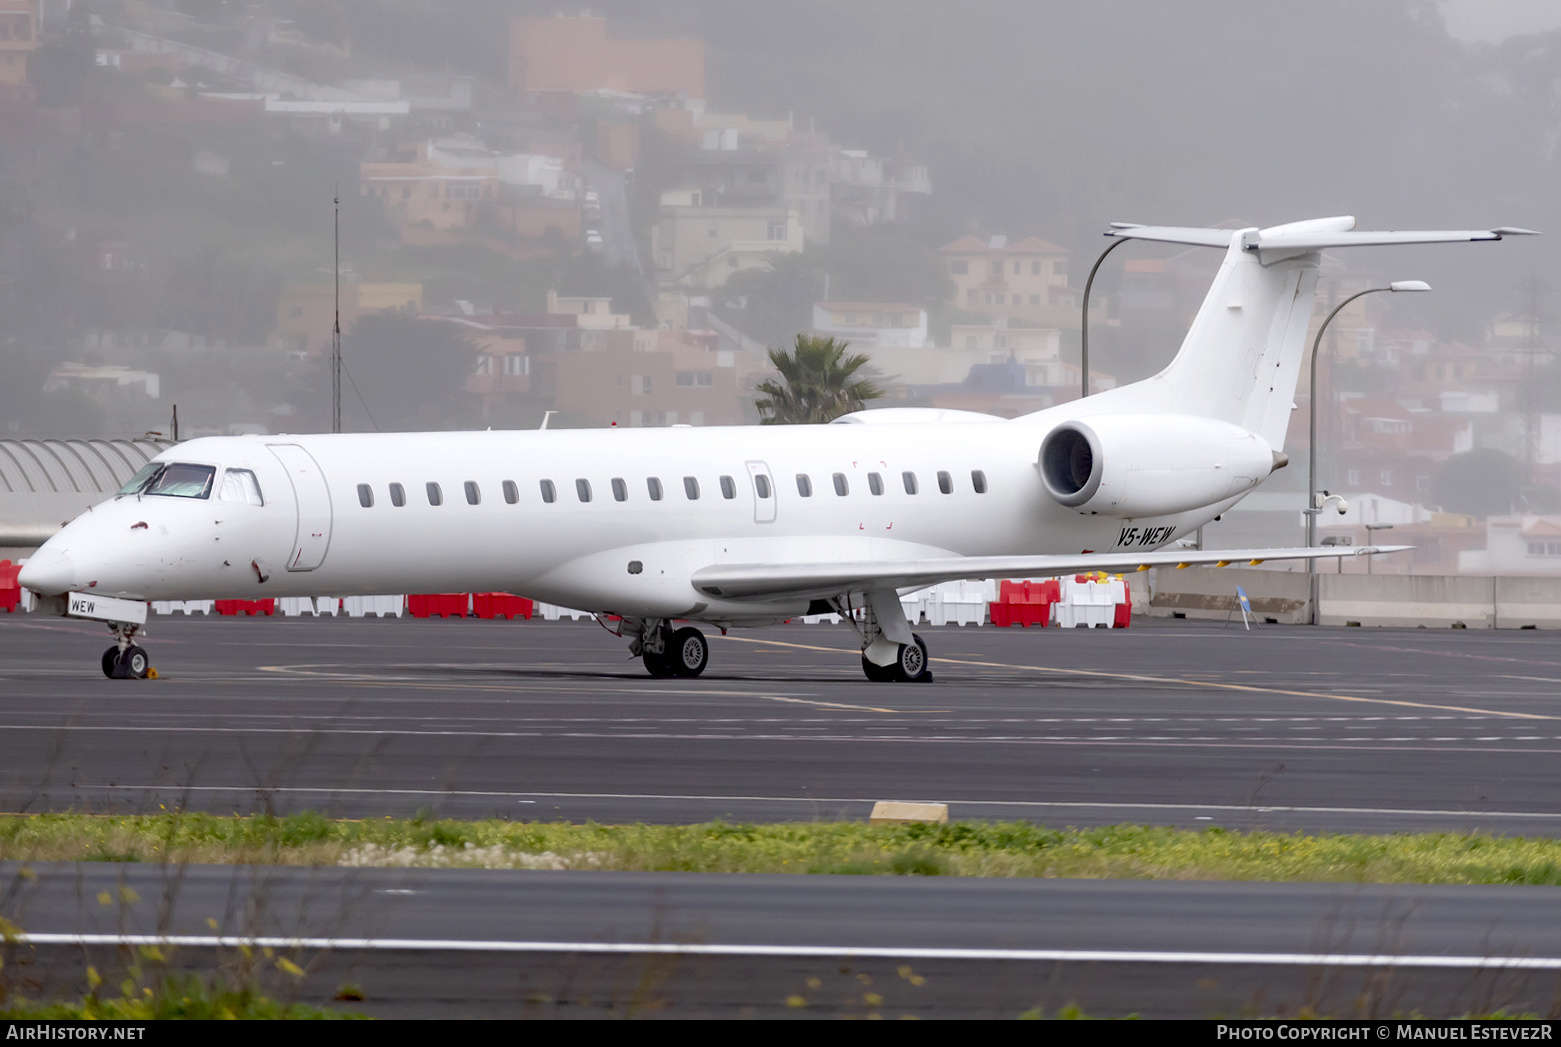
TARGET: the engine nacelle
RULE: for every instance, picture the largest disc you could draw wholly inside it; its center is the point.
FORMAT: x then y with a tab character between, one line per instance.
1151	465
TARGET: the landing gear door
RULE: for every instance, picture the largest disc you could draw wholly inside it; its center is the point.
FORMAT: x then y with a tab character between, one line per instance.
764	498
313	499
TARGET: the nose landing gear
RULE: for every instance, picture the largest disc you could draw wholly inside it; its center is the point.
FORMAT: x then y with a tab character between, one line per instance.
126	660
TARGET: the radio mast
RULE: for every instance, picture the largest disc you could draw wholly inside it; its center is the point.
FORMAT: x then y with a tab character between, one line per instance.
336	324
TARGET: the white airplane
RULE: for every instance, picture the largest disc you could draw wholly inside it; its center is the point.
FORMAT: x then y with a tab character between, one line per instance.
735	526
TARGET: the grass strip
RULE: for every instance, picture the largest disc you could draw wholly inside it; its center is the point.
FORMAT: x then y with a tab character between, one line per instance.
957	849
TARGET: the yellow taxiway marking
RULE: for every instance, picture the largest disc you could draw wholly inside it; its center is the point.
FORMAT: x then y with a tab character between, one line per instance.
828	705
373	679
1141	678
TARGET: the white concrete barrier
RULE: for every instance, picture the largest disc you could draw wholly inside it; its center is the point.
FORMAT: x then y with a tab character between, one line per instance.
378	606
183	606
1088	604
551	612
960	602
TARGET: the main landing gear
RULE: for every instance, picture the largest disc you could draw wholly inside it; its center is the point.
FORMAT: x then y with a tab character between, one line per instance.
671	652
126	660
891	653
909	665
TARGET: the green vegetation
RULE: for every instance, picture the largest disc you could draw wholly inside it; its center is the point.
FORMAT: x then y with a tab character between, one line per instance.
818	383
190	998
144	988
851	848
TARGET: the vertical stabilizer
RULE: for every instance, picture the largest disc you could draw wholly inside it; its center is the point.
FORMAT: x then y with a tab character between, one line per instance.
1242	356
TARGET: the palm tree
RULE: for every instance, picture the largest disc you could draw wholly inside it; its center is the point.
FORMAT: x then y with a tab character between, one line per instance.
818	383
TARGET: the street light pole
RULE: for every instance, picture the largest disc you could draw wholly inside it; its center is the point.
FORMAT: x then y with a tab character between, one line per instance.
1369	529
1084	328
1312	505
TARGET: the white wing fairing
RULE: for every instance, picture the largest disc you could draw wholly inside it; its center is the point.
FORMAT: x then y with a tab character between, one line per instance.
739	525
824	580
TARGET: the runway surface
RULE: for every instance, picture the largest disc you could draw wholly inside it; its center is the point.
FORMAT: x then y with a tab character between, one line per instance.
505	944
1169	722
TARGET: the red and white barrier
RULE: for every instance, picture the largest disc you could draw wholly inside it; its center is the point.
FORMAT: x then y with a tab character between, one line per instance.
11	596
1094	601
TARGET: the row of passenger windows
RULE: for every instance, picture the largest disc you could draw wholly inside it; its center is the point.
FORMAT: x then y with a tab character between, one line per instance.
653	487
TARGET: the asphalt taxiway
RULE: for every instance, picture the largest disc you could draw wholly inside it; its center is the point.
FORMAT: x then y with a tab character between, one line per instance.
474	943
1169	722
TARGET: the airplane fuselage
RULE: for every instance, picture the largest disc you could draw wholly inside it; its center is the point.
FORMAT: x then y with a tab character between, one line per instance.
610	520
738	525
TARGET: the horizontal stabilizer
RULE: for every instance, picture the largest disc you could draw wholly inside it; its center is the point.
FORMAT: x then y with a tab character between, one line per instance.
823	580
1301	241
1172	234
1313	235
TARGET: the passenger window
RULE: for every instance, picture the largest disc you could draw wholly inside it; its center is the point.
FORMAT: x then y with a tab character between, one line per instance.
761	484
978	481
804	485
583	490
240	485
365	495
910	482
653	485
473	496
945	482
549	492
875	483
398	495
435	495
620	490
841	487
728	487
511	492
691	488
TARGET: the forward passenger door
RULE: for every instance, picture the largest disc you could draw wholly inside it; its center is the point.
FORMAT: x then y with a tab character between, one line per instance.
763	492
313	499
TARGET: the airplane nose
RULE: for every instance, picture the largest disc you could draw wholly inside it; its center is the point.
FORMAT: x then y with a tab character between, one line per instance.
49	572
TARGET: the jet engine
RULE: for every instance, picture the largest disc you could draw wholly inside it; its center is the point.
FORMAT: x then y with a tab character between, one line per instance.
1152	465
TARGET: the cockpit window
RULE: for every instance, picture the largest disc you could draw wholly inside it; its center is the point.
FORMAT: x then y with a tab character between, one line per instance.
183	481
139	480
173	480
240	485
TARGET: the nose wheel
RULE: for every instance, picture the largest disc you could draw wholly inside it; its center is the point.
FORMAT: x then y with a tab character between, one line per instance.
126	660
132	663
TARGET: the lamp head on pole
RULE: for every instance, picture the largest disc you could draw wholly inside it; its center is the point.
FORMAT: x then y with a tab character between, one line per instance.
1409	285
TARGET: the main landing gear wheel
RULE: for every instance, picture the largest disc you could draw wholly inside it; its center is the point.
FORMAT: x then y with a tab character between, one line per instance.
688	652
130	664
909	665
658	665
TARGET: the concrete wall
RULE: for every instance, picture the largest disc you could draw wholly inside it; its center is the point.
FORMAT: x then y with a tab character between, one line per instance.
1404	601
1210	592
1479	602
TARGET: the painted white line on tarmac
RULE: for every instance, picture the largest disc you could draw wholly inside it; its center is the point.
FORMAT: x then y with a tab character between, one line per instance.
1179	681
1041	804
1512	963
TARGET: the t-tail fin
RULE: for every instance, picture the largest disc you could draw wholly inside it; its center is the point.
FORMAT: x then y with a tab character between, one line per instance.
1242	356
